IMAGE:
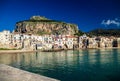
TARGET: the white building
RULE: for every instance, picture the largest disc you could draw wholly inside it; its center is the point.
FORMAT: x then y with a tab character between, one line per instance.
5	37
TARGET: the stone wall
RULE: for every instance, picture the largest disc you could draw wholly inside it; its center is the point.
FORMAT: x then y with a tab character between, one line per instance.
8	73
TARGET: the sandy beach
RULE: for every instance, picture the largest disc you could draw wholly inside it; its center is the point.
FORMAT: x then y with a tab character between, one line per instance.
16	51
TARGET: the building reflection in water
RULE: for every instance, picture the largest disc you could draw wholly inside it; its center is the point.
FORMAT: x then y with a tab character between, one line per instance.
73	59
89	58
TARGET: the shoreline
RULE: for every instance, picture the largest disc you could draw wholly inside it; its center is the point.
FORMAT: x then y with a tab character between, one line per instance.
16	51
56	50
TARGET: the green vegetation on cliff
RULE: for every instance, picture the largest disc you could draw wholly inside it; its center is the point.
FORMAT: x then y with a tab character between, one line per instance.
105	32
39	19
80	33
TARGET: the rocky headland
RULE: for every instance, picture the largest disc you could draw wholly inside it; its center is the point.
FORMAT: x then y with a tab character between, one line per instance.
38	25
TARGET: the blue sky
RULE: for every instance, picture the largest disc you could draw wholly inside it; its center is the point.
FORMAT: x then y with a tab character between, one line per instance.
87	14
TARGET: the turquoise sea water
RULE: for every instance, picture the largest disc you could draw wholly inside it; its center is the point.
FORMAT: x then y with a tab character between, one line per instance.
79	65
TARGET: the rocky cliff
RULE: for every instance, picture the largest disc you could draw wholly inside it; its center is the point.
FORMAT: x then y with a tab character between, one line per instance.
40	25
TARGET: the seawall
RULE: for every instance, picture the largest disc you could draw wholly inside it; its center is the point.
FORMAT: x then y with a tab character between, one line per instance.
8	73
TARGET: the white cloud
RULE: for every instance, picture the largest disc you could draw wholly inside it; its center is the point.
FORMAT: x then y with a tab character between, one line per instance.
111	22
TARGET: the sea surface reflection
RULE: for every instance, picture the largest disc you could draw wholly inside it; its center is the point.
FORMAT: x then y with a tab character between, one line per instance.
78	65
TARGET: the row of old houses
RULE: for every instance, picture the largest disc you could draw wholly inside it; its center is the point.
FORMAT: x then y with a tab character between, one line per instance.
46	42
